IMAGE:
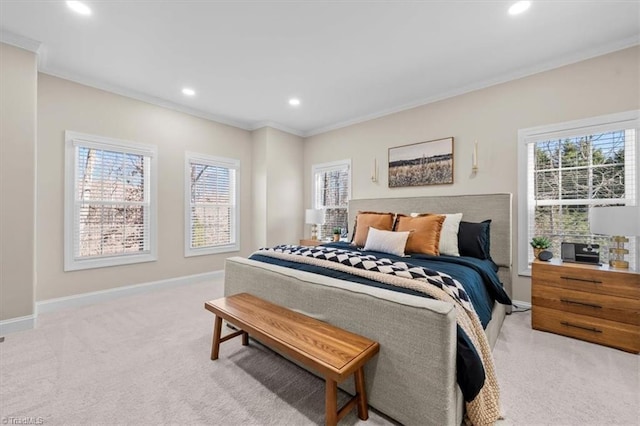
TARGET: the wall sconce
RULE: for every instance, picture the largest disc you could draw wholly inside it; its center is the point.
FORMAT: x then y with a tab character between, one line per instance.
474	158
374	171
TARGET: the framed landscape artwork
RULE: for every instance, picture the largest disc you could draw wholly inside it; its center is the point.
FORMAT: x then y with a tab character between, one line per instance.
424	163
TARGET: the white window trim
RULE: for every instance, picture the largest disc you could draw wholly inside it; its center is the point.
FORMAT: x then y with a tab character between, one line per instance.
627	119
101	142
229	163
326	167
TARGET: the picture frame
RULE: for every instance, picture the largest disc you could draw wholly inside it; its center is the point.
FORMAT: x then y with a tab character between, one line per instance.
421	164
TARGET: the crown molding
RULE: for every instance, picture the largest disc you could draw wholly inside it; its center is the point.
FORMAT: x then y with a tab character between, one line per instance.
274	125
123	91
37	48
521	73
22	42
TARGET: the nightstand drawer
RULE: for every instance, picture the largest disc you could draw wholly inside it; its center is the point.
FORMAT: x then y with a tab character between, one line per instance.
310	243
605	332
593	304
588	279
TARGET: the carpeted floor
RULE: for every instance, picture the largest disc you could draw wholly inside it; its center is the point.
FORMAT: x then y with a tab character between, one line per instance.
547	379
144	359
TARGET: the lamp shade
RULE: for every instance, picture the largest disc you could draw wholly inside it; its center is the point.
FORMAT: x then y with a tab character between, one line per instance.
314	216
618	221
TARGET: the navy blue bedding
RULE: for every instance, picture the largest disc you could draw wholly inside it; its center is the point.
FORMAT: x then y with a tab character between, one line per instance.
477	276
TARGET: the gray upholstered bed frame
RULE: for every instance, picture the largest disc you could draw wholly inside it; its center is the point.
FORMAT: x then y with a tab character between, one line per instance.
413	378
474	208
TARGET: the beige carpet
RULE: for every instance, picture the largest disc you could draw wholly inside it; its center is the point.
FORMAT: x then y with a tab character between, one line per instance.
548	379
144	359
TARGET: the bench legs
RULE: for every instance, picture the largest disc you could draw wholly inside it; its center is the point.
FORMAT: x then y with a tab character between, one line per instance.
331	403
215	345
217	331
361	394
332	414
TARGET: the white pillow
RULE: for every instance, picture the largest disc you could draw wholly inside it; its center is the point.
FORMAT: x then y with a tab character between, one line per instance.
386	241
449	234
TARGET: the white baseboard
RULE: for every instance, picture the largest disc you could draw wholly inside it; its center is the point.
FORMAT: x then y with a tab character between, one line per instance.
17	324
521	304
53	305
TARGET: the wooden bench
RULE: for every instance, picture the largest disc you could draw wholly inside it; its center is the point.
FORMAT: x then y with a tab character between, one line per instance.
329	350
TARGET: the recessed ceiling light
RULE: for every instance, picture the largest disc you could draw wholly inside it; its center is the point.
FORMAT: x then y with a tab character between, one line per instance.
79	7
519	7
294	101
189	92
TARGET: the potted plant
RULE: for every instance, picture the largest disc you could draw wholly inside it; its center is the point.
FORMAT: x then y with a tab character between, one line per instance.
336	233
539	244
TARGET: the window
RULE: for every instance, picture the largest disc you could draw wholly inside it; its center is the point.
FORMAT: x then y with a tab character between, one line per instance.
110	206
211	205
567	168
331	192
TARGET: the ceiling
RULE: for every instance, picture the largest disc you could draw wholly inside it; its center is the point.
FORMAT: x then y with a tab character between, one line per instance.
347	61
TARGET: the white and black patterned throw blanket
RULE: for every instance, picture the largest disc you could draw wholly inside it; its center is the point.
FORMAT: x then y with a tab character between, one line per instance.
371	263
485	408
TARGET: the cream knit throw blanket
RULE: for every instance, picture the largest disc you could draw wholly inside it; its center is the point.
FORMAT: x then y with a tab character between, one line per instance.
485	408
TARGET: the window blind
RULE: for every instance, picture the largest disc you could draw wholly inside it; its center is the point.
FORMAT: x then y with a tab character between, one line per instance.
212	205
331	193
111	203
570	172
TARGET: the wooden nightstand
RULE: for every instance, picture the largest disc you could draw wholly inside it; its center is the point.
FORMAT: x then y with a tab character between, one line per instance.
588	302
310	242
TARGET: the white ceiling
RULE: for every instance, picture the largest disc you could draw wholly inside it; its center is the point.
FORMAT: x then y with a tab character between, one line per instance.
347	61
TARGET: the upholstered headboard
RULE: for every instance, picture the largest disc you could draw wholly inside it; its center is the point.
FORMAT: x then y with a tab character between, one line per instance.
474	208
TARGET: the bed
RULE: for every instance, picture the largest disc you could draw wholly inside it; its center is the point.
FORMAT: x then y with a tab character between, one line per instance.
413	379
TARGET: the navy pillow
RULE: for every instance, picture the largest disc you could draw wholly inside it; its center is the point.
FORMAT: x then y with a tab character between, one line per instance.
474	239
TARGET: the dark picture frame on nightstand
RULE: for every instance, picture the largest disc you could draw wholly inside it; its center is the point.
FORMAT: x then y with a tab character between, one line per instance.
580	253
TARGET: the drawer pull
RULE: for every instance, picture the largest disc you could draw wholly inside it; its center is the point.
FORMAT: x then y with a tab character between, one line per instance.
574	302
568	324
581	279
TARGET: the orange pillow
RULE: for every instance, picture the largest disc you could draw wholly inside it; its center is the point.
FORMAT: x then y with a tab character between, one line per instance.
425	233
365	220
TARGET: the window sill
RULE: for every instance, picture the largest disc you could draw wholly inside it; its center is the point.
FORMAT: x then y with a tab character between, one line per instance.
229	248
526	274
105	262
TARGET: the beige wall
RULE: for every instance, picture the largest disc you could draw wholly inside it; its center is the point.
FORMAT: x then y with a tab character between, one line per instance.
492	116
277	177
259	176
273	163
64	105
285	177
18	86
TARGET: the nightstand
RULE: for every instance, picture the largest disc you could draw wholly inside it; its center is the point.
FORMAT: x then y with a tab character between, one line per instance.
310	242
587	302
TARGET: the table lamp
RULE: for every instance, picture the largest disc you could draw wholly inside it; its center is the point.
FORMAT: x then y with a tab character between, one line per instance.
619	223
314	217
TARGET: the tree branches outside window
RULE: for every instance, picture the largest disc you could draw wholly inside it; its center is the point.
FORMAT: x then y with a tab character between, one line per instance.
572	174
111	207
